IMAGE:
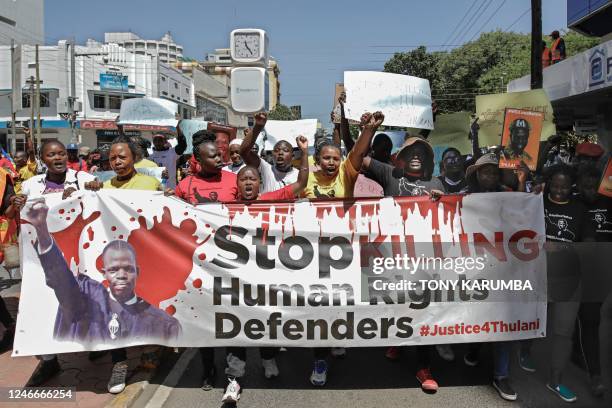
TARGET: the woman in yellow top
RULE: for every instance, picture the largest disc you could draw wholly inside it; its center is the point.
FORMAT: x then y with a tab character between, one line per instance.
122	159
336	178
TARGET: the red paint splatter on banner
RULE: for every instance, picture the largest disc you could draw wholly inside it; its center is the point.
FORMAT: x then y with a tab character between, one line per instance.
197	283
132	219
171	310
451	205
165	257
113	228
90	233
61	211
86	245
72	210
105	283
68	239
202	256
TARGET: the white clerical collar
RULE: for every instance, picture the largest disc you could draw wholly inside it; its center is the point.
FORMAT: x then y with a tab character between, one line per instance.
451	182
132	301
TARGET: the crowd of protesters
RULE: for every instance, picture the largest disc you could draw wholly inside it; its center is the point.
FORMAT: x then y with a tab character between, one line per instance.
579	318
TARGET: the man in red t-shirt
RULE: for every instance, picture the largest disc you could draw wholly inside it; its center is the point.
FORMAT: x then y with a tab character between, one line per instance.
248	180
210	184
74	161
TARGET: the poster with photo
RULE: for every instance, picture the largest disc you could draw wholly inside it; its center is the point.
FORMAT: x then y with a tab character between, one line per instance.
521	138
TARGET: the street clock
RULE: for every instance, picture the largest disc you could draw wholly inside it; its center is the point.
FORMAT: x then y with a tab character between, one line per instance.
249	46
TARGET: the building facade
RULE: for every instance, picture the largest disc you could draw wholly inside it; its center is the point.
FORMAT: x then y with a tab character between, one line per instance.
166	49
104	76
22	21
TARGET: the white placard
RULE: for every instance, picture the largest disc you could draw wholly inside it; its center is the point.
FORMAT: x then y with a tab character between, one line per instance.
289	130
405	100
148	111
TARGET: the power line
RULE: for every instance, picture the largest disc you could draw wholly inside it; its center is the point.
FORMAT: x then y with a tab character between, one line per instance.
470	26
518	19
488	20
467	24
461	21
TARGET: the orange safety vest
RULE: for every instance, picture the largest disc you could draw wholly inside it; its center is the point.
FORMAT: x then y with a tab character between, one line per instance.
546	57
556	54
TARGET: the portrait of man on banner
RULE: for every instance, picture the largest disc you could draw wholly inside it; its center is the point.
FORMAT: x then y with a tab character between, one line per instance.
90	311
520	138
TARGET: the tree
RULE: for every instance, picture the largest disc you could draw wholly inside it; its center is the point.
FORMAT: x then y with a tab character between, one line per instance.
281	112
483	66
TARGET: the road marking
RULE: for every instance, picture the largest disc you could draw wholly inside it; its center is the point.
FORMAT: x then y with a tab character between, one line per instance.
162	393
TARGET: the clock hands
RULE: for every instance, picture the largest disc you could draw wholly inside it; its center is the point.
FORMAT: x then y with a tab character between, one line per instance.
247	47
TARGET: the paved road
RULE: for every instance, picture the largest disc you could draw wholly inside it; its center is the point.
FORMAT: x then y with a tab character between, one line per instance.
366	379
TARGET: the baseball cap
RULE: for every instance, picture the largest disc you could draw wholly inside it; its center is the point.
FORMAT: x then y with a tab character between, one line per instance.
84	150
72	146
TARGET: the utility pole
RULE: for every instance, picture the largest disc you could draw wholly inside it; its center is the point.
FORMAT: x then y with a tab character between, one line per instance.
537	77
31	81
38	124
72	97
15	96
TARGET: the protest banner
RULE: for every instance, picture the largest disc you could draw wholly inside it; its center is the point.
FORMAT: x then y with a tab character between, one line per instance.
289	130
156	172
189	127
490	110
605	187
521	139
148	111
353	273
405	100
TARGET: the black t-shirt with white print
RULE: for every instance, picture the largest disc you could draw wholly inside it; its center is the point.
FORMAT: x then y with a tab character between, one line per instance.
565	222
402	186
599	219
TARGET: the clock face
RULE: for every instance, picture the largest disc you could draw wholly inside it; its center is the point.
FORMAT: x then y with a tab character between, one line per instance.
247	45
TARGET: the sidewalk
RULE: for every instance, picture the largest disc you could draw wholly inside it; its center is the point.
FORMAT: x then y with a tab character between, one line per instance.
89	378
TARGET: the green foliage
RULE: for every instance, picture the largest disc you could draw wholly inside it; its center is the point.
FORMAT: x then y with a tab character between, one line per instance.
483	66
281	112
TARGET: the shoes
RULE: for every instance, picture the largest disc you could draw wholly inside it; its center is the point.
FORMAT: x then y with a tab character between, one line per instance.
94	355
426	379
526	363
393	353
270	368
208	382
504	389
318	378
562	392
338	352
471	359
45	370
116	384
446	352
232	391
597	387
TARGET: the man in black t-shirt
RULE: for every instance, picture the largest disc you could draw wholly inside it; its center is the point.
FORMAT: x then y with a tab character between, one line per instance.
412	175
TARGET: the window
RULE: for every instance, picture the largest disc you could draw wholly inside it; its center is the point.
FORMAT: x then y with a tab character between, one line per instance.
187	90
99	101
175	85
165	93
114	102
44	100
163	78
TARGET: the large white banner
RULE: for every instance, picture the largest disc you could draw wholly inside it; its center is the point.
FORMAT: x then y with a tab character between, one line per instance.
405	100
148	111
119	268
289	130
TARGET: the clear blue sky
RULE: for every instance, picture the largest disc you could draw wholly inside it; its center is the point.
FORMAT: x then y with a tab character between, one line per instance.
313	41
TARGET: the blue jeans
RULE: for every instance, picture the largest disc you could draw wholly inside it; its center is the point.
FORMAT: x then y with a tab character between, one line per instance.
501	357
